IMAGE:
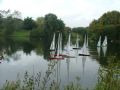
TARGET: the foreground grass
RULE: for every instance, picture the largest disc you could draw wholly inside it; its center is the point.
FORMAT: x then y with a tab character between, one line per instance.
35	83
108	81
109	77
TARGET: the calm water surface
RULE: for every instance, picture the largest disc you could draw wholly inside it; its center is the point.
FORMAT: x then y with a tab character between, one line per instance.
31	56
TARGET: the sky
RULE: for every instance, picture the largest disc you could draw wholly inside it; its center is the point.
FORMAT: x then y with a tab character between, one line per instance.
74	13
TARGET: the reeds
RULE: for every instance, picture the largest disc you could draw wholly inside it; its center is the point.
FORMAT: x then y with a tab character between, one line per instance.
109	76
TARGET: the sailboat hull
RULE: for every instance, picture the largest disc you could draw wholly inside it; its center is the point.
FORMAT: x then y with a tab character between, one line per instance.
76	48
84	55
56	58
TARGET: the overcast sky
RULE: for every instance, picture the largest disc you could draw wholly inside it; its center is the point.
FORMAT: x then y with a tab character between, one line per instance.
74	13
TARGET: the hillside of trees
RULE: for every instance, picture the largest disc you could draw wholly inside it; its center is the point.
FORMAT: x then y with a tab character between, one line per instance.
11	22
108	24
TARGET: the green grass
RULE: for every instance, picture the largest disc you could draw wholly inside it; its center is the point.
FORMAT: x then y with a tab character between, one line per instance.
20	38
21	34
18	35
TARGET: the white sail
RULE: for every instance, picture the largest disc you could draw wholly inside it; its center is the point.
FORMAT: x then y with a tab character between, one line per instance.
87	49
77	42
105	41
69	43
84	46
86	40
60	43
99	42
52	47
58	46
69	49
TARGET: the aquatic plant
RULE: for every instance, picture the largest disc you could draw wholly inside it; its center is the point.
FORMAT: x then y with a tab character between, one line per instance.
109	76
35	83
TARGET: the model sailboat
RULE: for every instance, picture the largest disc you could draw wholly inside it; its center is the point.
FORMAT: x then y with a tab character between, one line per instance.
58	51
84	48
69	53
77	43
104	46
59	45
52	47
69	48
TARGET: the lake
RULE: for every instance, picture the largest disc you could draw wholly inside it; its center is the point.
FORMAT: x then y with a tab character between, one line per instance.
31	55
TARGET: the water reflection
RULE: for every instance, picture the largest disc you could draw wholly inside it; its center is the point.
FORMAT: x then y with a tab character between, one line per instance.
68	67
99	51
22	54
104	49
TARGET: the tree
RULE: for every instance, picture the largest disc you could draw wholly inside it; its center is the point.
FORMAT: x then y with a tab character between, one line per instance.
40	22
108	24
5	13
29	23
52	24
109	18
9	26
10	21
1	19
16	14
60	25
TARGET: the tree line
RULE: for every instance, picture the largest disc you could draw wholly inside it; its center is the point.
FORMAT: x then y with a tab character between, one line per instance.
108	24
12	21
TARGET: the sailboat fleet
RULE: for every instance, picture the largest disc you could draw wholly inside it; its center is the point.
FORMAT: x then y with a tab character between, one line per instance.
68	52
60	53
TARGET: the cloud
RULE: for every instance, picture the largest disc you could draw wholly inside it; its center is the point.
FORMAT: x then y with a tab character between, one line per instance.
72	12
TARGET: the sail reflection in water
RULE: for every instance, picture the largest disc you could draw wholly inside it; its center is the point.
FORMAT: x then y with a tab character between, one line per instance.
104	49
61	71
99	50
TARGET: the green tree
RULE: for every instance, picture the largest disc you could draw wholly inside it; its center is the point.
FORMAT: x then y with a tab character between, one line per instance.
10	21
29	23
9	26
108	24
40	22
1	20
52	24
38	32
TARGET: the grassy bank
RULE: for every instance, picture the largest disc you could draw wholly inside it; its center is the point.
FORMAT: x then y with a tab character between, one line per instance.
21	34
